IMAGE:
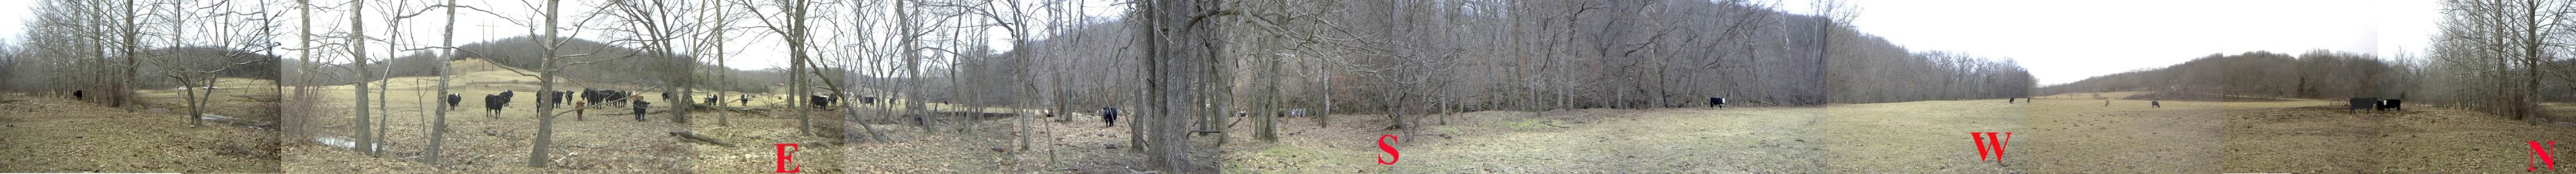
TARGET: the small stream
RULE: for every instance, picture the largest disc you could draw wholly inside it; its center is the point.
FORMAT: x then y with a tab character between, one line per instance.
252	124
341	142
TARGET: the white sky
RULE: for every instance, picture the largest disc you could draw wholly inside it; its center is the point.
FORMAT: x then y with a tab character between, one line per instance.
2060	41
2064	41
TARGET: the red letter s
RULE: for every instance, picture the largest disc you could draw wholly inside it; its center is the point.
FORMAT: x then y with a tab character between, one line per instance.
1390	150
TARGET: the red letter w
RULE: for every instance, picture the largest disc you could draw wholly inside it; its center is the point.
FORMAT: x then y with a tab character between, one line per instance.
2541	153
1989	141
787	157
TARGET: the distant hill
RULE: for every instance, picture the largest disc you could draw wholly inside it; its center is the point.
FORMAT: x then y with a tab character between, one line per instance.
2315	75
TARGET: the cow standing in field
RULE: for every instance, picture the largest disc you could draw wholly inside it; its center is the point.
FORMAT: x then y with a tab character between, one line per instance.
746	99
1715	102
76	95
492	106
639	109
577	110
2390	104
711	100
451	100
823	101
1109	116
2156	104
2357	104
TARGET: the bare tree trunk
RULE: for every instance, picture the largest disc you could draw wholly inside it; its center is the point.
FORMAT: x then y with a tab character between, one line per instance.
546	82
357	39
438	127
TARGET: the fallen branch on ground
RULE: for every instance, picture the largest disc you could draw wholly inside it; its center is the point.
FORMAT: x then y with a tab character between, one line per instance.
694	136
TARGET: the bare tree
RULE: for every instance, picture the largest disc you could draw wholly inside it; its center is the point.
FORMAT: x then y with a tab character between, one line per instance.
438	126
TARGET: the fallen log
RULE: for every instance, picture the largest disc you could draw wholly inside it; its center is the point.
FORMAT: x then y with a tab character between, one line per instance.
694	136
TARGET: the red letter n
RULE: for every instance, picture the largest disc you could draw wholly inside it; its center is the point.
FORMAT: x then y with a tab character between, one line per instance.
2541	153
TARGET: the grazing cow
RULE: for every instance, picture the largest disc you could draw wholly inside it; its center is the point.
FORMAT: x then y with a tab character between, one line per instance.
451	100
2362	103
1109	116
589	95
492	105
1715	102
823	101
2156	104
76	95
562	97
639	109
666	96
2390	104
2010	100
620	97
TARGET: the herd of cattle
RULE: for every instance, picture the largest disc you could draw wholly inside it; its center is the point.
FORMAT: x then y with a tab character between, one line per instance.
493	103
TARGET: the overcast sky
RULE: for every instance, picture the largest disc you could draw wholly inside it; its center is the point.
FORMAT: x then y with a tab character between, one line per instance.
2064	41
2060	41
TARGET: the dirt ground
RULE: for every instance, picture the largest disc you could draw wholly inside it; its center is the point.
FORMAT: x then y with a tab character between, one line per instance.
54	134
1677	140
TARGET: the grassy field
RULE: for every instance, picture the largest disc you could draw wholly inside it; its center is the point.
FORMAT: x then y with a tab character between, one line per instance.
53	134
1676	140
2322	137
602	139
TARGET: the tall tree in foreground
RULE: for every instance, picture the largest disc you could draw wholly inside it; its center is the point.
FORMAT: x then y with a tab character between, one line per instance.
438	125
1182	49
358	56
546	82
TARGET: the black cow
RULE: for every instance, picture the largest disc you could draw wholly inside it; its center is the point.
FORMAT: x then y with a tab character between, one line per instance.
746	99
451	100
1716	102
639	109
1109	116
2010	100
590	95
562	97
823	101
2390	104
619	97
492	105
2362	103
76	95
867	100
711	100
2156	103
